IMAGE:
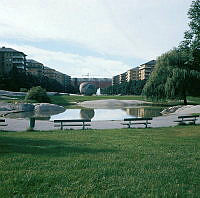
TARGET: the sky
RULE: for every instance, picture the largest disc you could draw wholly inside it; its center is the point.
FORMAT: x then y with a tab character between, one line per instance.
100	37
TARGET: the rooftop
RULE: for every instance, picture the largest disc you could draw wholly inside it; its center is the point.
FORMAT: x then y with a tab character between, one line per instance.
5	49
33	61
152	62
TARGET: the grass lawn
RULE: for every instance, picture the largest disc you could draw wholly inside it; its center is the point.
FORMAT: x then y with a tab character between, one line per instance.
65	100
162	162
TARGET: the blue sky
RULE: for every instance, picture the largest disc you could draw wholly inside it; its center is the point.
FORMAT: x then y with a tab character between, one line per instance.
100	37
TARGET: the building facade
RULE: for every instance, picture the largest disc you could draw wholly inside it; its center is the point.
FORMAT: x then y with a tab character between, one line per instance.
10	58
63	79
122	77
132	74
116	80
35	68
146	69
138	73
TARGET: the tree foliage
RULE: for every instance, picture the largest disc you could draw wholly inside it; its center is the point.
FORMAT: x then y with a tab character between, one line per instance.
133	87
172	78
177	72
38	94
16	80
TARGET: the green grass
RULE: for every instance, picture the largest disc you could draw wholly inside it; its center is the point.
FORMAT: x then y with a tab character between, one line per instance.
163	162
195	100
65	100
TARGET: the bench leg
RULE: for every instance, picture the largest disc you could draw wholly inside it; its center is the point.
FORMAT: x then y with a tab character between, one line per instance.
146	124
61	126
83	125
129	124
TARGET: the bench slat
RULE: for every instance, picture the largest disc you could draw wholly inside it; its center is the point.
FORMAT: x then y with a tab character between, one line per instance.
137	119
189	116
185	120
62	123
132	123
58	125
78	120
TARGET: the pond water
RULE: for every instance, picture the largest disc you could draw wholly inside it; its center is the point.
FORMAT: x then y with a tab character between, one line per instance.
96	114
109	114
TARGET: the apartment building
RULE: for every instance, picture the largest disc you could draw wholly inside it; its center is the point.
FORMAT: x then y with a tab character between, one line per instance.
132	74
63	79
35	68
146	69
10	58
122	77
116	80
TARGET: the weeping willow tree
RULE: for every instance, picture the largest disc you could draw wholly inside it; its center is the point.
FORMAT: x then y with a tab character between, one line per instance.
171	78
177	72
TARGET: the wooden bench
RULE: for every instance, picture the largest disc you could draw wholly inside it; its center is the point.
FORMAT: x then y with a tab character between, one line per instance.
78	122
3	121
132	121
189	118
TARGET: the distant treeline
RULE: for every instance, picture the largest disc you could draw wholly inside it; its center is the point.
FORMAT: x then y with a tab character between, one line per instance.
17	80
133	87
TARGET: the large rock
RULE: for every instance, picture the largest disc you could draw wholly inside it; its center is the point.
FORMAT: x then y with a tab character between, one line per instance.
87	88
87	113
16	107
7	107
170	109
48	109
24	107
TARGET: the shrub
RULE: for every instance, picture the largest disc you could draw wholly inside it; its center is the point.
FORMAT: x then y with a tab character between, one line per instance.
38	94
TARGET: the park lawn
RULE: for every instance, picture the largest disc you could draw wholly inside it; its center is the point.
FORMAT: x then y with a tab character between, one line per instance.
65	100
161	162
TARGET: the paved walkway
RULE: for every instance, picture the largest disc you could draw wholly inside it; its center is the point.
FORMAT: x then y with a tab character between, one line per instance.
23	124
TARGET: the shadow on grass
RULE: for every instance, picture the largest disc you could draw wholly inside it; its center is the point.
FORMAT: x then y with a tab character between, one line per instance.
11	145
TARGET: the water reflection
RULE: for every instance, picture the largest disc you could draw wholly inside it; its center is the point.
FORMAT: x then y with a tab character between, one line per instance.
108	114
87	113
144	111
95	114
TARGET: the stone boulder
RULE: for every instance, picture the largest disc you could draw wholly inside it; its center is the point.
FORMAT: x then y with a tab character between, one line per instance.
46	109
170	109
87	113
24	107
7	107
87	89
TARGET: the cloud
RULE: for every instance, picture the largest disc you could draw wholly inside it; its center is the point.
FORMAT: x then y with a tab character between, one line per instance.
72	64
126	28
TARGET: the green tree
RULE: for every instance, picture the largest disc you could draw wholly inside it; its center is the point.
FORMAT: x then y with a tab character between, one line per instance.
177	72
172	78
191	43
38	94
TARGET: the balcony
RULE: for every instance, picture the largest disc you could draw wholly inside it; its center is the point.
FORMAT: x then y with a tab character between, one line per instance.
20	66
21	57
18	61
